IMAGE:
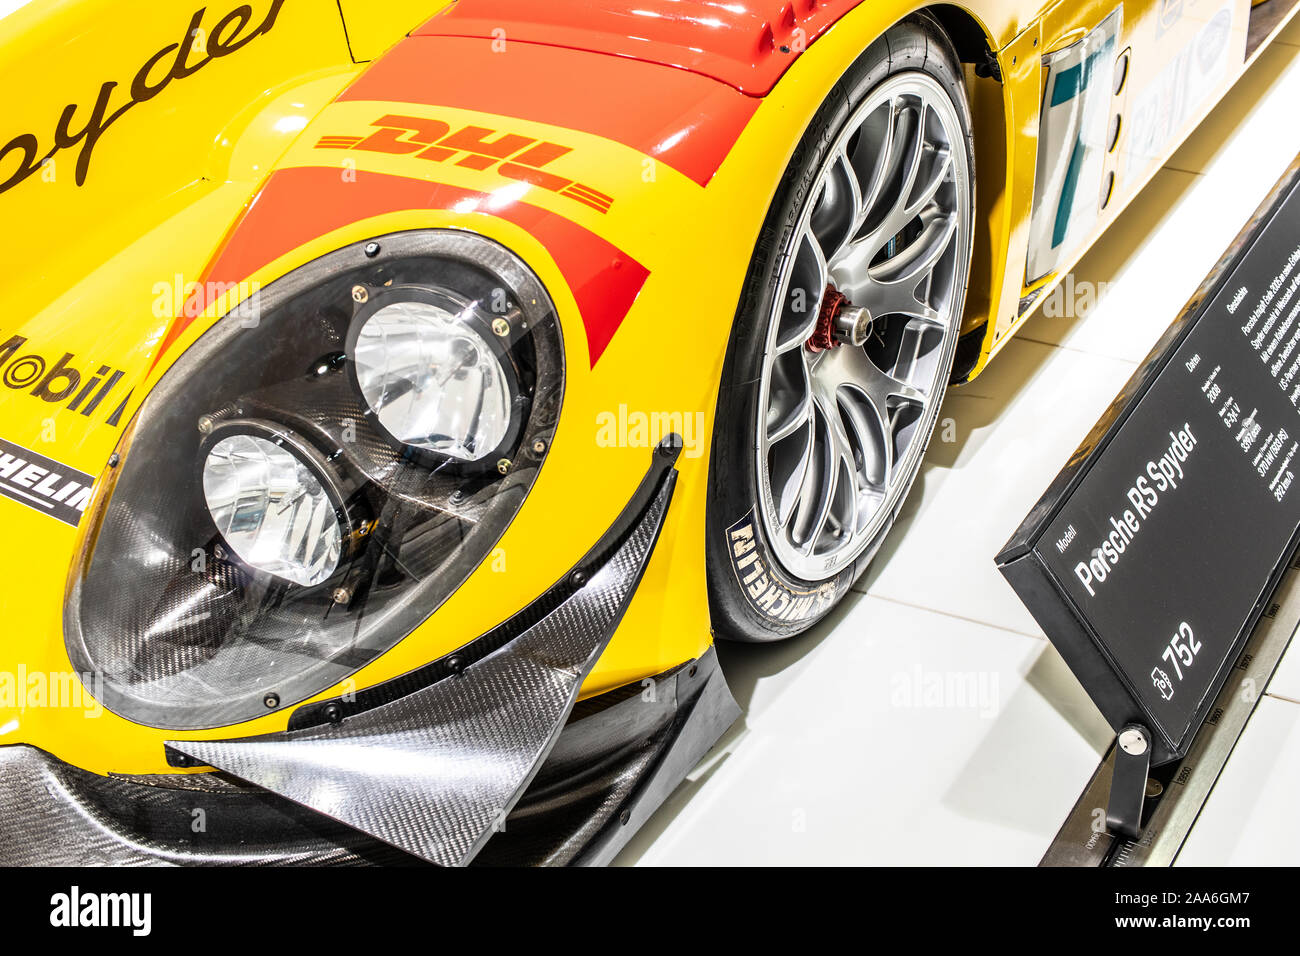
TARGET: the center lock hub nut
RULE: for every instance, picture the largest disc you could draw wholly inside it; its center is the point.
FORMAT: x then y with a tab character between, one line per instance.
839	323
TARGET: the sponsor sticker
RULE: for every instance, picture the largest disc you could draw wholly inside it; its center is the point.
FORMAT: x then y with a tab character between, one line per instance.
66	382
767	593
521	158
43	484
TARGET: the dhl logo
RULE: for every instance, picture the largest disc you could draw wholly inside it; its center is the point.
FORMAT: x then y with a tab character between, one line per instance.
520	158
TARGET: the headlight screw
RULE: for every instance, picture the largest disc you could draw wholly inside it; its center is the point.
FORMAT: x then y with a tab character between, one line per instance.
455	665
271	701
503	466
341	596
539	447
333	713
359	294
206	424
501	327
372	249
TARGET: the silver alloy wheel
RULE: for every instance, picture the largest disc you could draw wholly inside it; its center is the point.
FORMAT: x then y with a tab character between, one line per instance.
883	248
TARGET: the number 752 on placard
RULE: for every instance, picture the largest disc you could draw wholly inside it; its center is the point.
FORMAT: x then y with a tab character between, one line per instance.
1182	650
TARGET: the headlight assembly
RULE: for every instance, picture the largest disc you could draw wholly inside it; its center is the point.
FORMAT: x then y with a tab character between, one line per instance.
300	492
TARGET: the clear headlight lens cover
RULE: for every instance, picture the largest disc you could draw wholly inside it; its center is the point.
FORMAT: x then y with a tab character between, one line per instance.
433	377
272	509
311	480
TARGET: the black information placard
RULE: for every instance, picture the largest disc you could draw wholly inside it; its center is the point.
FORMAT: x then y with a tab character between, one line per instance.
1149	559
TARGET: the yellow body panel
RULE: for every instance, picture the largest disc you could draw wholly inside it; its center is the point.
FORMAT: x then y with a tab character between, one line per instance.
91	266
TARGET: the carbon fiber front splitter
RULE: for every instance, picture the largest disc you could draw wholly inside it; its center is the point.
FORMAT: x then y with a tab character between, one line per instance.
481	755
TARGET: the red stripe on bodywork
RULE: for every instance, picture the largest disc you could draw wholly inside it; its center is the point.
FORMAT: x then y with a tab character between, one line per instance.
685	120
298	205
748	44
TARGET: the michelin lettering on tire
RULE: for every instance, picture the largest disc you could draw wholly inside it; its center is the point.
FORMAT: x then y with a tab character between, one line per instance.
766	592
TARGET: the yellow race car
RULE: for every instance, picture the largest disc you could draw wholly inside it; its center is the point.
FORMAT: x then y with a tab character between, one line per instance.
398	398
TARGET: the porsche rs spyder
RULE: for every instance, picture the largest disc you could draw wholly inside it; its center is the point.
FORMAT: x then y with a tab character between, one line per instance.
398	399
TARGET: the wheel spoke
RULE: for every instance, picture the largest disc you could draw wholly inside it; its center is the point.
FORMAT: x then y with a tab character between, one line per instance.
790	419
845	507
843	464
837	214
889	297
789	463
898	298
910	347
874	438
860	253
851	366
941	169
881	155
801	293
861	206
920	255
814	494
914	153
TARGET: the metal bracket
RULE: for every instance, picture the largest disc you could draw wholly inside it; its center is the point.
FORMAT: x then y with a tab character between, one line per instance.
988	67
1128	784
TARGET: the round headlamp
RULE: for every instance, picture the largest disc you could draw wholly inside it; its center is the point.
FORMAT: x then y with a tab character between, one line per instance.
275	502
307	484
435	374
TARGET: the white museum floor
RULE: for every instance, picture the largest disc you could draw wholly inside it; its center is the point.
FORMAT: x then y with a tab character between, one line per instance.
845	754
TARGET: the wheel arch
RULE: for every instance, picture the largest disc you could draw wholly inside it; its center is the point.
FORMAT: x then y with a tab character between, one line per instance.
991	109
969	37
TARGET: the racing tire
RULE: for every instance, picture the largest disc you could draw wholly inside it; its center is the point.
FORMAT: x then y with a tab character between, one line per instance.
837	362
